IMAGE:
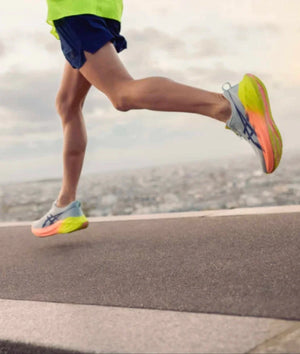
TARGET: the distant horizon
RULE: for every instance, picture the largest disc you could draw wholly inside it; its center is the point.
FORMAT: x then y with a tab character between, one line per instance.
213	161
190	186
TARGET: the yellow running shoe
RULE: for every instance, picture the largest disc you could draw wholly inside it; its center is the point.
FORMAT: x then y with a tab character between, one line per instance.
60	220
252	120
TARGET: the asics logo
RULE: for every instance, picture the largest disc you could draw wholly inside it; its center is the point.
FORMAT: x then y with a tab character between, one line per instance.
248	130
51	219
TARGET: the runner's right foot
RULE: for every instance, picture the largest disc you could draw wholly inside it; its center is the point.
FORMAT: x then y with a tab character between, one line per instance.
252	120
60	220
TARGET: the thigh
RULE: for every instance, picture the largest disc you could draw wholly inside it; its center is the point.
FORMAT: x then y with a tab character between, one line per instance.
73	88
105	70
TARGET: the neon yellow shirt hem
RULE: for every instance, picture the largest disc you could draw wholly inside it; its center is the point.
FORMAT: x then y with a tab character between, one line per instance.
57	9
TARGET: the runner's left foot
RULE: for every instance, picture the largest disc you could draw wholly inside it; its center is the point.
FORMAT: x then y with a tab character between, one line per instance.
60	220
252	120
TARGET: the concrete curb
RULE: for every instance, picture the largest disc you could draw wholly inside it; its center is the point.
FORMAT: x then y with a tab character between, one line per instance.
100	329
193	214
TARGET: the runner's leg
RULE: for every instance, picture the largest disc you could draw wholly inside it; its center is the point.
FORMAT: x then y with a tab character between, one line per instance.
69	102
105	71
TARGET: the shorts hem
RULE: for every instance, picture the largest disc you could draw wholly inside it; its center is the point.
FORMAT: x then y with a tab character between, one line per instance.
93	51
87	33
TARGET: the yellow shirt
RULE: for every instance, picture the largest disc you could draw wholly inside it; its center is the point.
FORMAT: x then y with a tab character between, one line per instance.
62	8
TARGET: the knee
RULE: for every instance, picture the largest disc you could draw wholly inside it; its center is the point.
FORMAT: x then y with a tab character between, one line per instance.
123	99
66	106
122	104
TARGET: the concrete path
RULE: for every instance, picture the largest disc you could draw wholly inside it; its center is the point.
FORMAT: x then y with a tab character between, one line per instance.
190	282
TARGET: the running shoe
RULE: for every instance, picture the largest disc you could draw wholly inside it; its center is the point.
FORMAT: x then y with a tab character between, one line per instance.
60	220
252	120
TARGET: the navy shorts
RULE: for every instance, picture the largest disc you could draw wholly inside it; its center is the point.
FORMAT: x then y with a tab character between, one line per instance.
89	33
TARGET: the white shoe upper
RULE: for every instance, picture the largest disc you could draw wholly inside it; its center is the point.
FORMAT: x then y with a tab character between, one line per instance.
56	213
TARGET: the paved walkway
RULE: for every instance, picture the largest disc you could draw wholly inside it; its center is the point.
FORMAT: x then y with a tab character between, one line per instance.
188	282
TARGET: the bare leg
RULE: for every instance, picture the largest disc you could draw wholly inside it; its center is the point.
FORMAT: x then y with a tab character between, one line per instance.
105	71
69	103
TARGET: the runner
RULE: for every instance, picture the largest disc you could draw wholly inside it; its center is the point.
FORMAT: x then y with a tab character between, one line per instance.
89	33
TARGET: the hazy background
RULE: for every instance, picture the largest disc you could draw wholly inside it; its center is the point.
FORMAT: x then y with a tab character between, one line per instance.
202	43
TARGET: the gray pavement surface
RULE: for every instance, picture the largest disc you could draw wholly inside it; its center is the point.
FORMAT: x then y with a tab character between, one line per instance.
243	265
233	265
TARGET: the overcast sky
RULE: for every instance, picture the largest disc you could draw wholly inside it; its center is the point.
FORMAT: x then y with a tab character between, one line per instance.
197	42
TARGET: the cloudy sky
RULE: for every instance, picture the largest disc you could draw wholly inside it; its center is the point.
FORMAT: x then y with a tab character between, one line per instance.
197	42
